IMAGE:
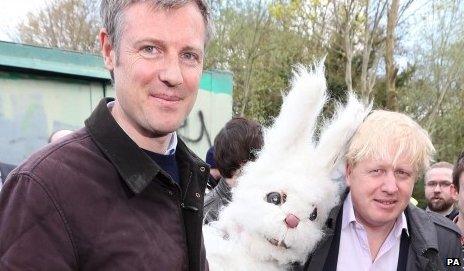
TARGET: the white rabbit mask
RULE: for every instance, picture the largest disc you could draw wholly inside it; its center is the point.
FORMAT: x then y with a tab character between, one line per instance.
284	197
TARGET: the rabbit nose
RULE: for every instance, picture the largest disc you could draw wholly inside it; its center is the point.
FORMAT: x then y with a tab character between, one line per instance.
292	221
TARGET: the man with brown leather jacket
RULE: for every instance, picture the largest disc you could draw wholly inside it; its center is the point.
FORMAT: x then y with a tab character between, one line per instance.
124	192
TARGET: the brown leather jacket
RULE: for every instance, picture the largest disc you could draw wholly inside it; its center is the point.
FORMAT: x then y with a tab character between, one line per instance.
96	201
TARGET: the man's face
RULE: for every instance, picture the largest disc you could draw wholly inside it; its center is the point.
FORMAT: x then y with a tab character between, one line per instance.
439	189
380	190
157	68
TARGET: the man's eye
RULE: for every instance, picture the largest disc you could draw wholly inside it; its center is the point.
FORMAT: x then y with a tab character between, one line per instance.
275	198
190	56
403	173
376	171
149	50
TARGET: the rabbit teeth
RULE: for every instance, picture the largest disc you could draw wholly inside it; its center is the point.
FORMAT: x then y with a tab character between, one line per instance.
277	243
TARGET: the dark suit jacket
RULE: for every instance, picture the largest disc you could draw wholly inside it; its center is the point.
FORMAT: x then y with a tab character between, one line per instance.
5	170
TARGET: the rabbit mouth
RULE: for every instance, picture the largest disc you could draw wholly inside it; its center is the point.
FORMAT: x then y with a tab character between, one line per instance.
277	243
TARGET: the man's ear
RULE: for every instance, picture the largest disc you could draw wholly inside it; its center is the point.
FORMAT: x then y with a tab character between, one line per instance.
348	171
107	50
454	192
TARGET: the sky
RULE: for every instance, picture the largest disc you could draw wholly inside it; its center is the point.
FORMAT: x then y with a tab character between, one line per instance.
13	12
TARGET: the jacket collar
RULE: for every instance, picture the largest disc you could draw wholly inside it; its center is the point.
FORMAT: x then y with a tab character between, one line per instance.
424	243
135	167
425	234
316	260
334	214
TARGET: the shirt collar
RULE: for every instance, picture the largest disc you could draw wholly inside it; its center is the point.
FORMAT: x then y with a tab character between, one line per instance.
400	225
172	144
349	217
348	212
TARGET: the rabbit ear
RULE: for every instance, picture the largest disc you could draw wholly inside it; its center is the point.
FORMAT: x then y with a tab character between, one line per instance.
336	135
293	128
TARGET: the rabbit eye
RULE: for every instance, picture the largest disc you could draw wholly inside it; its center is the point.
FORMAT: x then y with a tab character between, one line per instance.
313	215
276	198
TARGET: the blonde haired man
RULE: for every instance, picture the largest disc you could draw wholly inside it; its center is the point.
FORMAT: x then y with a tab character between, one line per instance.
375	227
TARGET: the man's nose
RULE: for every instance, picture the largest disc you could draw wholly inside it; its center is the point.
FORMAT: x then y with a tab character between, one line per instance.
171	73
437	188
389	183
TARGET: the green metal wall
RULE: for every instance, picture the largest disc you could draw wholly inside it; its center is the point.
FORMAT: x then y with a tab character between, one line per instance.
37	98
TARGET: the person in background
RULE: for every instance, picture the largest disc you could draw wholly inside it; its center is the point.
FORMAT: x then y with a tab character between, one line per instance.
458	181
124	192
55	136
5	169
237	143
215	175
440	191
375	227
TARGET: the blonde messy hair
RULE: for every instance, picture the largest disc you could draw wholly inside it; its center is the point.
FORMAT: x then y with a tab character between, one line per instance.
384	132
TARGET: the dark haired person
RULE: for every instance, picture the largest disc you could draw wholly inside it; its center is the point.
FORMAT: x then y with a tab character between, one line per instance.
214	173
5	169
440	192
237	143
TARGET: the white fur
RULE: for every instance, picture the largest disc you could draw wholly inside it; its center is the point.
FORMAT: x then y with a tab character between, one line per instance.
291	163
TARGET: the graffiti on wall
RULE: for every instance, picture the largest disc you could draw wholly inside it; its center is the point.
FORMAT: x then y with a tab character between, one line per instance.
203	130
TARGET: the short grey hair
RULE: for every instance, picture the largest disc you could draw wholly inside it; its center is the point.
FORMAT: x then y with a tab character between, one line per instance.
112	11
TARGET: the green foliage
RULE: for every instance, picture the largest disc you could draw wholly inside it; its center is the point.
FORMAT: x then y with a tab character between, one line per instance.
434	95
259	42
419	193
260	53
404	82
